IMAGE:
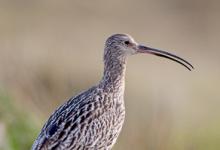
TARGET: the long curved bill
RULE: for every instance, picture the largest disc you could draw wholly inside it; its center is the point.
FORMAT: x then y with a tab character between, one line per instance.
161	53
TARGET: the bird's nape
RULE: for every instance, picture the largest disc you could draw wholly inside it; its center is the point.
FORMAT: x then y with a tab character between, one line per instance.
161	53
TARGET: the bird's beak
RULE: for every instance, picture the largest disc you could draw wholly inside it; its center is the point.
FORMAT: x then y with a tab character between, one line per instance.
161	53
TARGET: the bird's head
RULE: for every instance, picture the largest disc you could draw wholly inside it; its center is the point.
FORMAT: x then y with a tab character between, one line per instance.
119	46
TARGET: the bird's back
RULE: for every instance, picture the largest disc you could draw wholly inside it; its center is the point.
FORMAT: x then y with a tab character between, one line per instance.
91	120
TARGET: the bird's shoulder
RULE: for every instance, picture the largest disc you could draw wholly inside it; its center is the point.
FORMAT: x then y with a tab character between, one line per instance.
75	111
73	115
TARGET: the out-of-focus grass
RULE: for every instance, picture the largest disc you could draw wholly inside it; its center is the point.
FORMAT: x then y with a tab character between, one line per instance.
20	129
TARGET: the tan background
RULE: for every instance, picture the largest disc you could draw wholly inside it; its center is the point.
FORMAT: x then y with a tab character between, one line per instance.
51	50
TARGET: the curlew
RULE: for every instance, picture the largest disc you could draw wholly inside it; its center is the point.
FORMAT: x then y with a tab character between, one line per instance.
93	119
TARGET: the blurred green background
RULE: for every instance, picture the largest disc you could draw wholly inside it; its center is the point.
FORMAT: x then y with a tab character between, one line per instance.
51	50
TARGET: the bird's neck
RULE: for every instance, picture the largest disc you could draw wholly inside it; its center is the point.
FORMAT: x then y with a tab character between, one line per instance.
114	75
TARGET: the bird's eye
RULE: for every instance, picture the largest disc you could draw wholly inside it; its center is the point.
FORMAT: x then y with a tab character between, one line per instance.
127	42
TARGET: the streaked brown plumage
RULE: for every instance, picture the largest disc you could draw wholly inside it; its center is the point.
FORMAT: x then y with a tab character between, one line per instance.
93	119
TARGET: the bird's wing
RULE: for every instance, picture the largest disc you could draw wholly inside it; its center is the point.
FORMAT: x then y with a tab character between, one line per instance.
67	119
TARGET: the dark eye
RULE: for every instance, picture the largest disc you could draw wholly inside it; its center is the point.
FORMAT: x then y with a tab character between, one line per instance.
127	42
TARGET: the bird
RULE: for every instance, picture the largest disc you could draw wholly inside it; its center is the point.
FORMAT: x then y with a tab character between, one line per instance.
93	119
